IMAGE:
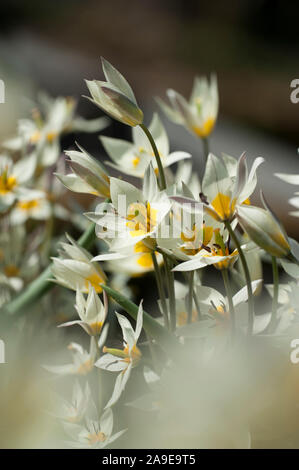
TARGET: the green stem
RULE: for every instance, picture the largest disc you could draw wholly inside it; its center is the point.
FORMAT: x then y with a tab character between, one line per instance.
247	277
43	283
206	149
157	156
275	292
171	293
173	260
190	296
231	307
159	283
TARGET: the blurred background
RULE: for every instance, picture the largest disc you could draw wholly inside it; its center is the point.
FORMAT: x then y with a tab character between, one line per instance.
251	45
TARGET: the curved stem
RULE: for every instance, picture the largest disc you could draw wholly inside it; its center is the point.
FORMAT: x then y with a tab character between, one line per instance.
159	283
43	283
206	149
247	277
231	307
157	156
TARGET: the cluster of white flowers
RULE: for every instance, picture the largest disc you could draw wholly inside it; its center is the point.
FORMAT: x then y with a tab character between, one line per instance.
169	223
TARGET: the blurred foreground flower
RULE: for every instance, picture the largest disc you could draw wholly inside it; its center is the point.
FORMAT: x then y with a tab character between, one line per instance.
77	272
74	411
123	360
94	434
83	362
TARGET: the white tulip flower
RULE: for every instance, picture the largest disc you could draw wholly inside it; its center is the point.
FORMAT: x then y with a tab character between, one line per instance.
91	311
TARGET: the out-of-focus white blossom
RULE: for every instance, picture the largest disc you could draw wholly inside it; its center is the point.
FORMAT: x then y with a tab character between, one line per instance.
134	158
75	270
123	360
94	433
200	113
52	118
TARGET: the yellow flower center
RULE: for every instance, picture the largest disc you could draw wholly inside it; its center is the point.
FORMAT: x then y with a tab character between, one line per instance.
51	136
11	270
224	206
247	202
127	356
93	438
73	419
219	312
96	327
35	137
85	367
7	183
220	309
182	317
205	129
135	161
145	259
133	356
141	219
194	244
28	205
94	280
224	264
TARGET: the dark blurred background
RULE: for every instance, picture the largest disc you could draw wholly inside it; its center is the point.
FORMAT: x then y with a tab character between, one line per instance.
251	45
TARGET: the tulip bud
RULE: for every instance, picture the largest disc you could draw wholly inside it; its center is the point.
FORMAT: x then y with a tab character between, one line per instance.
129	112
89	176
264	229
115	96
